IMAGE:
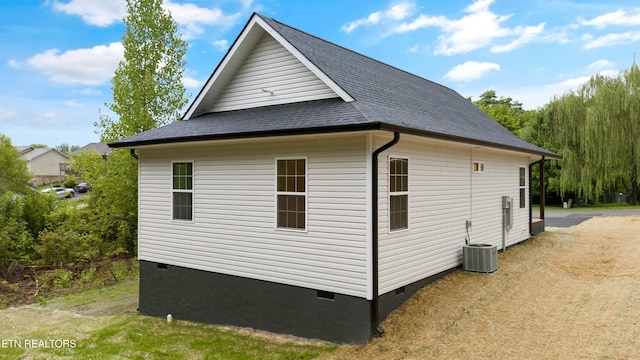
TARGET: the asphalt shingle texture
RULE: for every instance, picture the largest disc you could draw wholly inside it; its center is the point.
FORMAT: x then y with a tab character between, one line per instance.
385	97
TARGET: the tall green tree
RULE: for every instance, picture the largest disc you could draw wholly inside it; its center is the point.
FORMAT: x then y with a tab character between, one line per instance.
14	175
147	93
147	87
597	128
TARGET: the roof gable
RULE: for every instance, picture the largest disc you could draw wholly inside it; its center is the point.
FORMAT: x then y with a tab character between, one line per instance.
262	69
370	95
35	153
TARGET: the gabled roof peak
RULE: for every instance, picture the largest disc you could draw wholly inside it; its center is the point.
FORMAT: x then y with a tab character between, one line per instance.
251	36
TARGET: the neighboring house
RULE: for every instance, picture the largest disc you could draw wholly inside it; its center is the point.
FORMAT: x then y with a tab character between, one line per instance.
101	148
310	190
47	165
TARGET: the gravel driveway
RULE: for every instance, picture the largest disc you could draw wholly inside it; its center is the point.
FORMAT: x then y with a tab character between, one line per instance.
570	293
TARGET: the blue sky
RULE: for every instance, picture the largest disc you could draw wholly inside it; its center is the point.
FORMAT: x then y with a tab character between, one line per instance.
57	57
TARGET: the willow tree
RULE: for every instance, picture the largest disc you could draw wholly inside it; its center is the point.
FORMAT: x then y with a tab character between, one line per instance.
147	93
598	128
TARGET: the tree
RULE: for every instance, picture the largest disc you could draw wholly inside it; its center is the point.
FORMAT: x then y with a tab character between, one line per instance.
14	175
67	149
147	93
506	111
147	87
598	128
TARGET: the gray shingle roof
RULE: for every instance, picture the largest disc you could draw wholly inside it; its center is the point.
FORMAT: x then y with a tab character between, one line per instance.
385	98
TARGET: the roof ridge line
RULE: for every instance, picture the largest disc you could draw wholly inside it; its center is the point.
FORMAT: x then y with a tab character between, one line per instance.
353	51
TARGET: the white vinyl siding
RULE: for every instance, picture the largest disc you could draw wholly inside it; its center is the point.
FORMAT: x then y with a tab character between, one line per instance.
271	75
500	178
439	207
233	224
446	192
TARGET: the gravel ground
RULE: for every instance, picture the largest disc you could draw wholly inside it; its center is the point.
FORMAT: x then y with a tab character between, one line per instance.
570	293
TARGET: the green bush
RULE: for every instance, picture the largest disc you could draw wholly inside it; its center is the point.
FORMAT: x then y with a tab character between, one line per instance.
62	246
69	183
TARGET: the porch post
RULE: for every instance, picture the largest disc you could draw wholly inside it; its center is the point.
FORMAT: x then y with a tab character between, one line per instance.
542	193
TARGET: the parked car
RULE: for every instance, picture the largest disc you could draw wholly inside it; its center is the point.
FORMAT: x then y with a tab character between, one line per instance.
83	187
61	192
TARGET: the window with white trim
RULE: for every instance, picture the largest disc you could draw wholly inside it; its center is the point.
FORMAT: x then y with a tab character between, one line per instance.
478	167
182	185
523	182
291	194
398	193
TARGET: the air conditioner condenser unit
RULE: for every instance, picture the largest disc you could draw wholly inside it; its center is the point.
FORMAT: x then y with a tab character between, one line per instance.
480	258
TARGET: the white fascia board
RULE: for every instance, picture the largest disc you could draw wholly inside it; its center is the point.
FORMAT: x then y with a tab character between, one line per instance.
314	69
240	42
229	57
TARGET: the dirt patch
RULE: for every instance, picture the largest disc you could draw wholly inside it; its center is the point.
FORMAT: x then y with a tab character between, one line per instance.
568	293
28	284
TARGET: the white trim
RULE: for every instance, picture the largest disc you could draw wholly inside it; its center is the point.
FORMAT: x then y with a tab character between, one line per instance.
520	187
305	194
240	43
480	168
191	191
322	76
398	193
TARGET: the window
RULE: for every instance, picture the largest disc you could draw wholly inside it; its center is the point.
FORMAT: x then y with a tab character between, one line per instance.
523	181
398	194
182	191
292	194
478	167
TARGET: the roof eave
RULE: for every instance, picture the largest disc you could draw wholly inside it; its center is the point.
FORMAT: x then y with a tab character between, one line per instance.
330	129
248	135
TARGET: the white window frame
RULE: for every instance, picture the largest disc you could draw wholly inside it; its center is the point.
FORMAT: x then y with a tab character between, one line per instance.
398	193
191	191
522	194
477	167
306	197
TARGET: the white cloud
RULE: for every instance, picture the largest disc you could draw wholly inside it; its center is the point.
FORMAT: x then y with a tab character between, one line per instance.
88	91
600	64
73	103
395	12
221	45
5	114
13	63
527	34
190	82
479	28
471	70
619	17
192	18
93	12
92	66
611	39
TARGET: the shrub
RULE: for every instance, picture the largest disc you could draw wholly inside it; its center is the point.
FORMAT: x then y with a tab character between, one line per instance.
61	246
69	183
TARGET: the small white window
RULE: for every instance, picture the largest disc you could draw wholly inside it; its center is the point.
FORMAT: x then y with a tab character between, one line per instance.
478	167
523	187
182	175
291	190
398	194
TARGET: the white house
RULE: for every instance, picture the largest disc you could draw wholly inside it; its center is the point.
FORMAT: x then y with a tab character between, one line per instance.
310	190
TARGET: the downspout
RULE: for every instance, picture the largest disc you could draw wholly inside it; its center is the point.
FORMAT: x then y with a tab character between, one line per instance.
375	316
133	153
541	162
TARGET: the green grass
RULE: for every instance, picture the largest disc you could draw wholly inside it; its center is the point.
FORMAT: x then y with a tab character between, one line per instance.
103	324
